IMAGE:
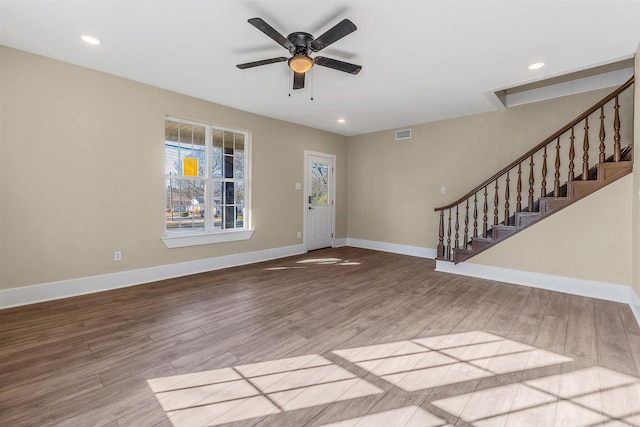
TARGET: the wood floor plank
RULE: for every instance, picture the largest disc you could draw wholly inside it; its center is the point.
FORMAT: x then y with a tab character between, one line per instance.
634	344
506	314
18	402
581	329
534	308
559	306
613	347
552	334
629	321
523	332
477	318
88	360
83	408
145	415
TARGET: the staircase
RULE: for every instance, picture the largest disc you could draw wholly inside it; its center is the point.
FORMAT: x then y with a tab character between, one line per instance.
483	217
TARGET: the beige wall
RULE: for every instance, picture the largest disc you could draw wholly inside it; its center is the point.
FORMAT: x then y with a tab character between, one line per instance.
81	175
393	186
82	172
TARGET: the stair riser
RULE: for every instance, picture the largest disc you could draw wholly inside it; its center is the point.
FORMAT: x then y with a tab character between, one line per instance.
524	219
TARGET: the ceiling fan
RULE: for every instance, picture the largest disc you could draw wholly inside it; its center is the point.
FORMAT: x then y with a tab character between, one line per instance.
300	45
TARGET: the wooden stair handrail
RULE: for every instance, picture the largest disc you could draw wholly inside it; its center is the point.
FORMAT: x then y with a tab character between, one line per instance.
538	147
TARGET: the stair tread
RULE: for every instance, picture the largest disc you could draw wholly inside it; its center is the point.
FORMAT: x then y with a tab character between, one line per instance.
580	182
527	213
507	227
463	250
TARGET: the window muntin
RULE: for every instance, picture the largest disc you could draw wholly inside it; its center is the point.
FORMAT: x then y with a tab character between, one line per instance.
206	178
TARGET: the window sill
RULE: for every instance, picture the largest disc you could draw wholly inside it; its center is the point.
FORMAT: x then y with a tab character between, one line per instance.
184	240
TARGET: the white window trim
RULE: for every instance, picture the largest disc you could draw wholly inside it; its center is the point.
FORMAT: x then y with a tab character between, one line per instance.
186	239
194	239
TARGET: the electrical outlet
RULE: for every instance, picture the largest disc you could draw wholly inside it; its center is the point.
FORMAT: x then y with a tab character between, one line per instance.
117	256
299	235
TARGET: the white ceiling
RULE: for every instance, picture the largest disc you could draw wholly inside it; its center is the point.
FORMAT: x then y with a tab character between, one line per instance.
422	60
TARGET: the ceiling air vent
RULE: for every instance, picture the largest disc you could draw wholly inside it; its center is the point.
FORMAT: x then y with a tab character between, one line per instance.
403	134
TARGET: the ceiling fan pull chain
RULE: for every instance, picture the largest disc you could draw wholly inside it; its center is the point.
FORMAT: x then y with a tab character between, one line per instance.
311	75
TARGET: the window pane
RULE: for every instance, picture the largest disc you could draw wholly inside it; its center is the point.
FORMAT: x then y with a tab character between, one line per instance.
238	164
185	204
228	166
239	146
171	130
229	193
216	162
229	216
239	193
217	192
319	184
228	142
217	154
239	216
217	205
171	158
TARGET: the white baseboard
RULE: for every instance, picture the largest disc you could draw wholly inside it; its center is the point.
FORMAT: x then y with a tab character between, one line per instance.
393	248
67	288
634	303
337	243
86	285
569	285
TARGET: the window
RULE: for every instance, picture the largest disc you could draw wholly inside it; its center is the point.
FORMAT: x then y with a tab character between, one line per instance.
207	192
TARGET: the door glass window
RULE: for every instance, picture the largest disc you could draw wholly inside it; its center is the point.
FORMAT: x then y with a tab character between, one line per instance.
319	184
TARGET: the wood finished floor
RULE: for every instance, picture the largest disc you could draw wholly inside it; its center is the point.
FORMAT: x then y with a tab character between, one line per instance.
335	337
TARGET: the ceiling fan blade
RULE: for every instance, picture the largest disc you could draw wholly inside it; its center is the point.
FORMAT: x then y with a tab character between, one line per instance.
262	62
271	32
334	34
337	65
298	80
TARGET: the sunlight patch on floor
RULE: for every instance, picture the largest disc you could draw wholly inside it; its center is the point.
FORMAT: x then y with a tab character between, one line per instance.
315	261
328	261
447	359
585	397
247	391
410	416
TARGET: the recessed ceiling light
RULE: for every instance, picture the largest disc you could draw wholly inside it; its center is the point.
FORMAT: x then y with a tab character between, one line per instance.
90	40
342	120
536	65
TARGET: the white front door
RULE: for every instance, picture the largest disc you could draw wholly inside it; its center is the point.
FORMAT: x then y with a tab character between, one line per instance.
319	200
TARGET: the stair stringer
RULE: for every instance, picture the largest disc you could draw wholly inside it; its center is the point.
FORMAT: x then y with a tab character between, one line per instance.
589	239
608	173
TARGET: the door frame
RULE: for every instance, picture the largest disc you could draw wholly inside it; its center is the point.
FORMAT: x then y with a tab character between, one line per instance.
332	190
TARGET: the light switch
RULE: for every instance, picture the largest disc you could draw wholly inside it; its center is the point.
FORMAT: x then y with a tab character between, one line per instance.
298	186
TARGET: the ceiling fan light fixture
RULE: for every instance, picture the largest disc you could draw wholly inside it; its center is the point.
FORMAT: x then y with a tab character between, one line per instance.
300	63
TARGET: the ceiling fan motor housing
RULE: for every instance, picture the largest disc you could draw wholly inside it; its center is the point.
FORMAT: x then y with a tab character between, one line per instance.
301	42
